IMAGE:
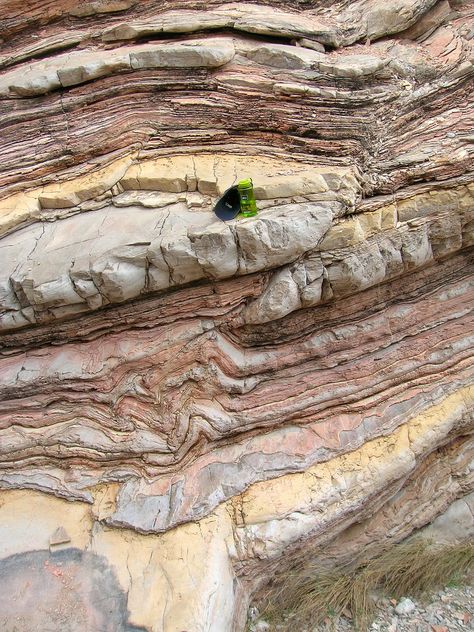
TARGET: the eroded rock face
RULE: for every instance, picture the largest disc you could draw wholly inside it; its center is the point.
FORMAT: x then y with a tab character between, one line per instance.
188	405
80	583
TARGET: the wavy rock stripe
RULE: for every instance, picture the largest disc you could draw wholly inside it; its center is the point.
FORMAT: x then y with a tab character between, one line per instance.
348	104
189	407
154	251
222	551
364	18
167	397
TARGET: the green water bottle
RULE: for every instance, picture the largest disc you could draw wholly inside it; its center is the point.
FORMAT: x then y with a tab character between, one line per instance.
248	205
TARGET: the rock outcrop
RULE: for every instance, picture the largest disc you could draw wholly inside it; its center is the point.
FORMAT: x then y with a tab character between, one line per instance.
186	405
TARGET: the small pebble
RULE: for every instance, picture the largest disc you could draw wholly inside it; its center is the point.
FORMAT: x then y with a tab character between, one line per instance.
454	613
405	607
393	625
253	614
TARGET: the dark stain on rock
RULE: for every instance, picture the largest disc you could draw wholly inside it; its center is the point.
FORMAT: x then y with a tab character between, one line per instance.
63	591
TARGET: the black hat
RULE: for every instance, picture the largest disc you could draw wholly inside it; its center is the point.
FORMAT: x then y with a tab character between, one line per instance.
228	206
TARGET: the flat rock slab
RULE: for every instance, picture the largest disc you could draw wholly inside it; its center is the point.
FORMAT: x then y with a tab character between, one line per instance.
114	254
65	591
77	67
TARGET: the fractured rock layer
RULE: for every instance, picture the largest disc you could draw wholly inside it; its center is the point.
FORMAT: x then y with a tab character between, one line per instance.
186	405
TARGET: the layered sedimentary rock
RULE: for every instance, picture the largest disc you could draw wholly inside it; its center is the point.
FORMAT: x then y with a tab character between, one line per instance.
186	405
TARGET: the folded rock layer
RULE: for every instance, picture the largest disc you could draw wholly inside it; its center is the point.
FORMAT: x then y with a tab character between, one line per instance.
189	406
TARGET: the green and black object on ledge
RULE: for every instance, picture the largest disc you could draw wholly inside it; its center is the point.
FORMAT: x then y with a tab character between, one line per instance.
237	199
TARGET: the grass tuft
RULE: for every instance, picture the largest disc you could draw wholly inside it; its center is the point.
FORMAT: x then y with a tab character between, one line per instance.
307	597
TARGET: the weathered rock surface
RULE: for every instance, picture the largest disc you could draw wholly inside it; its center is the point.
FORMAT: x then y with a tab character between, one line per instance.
186	405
